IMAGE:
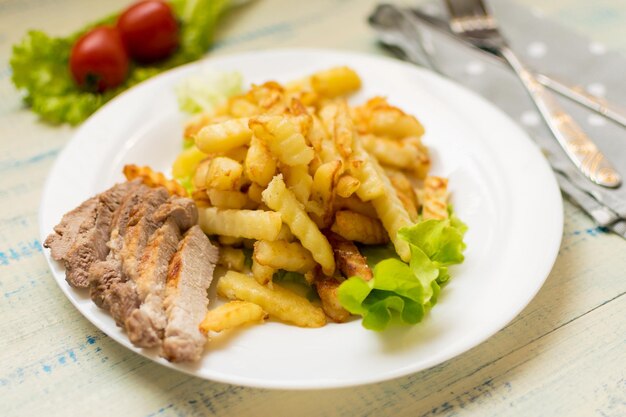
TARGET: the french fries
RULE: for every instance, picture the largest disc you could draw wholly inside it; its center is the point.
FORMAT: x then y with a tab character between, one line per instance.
232	258
230	315
299	175
435	198
260	165
227	199
284	138
359	228
278	302
280	254
279	198
223	136
153	179
392	214
224	174
263	274
249	224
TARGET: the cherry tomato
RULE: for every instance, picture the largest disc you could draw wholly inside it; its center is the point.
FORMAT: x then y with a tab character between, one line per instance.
149	30
98	60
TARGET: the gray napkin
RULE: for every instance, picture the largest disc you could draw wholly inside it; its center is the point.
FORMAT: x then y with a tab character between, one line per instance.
556	51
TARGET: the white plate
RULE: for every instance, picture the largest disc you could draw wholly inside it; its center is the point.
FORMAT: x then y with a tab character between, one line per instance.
501	187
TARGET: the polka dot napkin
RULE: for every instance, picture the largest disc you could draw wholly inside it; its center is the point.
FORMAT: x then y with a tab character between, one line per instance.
553	50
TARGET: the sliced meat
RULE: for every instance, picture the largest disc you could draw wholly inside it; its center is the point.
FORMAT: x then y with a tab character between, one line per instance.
67	231
81	237
182	210
348	258
106	278
189	276
141	225
146	325
122	296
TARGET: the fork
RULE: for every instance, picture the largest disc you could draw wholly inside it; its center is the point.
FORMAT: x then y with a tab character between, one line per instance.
472	20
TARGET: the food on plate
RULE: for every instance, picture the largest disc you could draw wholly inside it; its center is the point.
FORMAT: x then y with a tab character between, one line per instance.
98	60
188	279
232	314
311	183
144	259
310	218
276	301
152	178
149	30
41	64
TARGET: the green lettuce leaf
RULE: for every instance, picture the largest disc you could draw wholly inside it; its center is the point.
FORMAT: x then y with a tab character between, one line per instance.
40	63
202	92
405	292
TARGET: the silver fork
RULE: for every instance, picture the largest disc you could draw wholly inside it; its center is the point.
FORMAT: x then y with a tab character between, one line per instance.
472	20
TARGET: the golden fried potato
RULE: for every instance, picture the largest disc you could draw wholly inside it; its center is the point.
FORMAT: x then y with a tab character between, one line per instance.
230	241
224	174
359	228
260	165
263	274
361	167
335	82
299	181
254	193
327	290
249	224
227	199
224	136
279	198
392	214
347	185
230	315
349	260
280	254
398	153
384	119
323	191
154	179
353	203
277	301
283	137
434	198
232	258
187	161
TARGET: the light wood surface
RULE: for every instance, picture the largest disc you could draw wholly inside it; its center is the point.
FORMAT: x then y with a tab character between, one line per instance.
564	355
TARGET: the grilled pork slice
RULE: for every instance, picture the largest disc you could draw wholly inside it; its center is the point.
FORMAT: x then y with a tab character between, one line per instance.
189	276
80	239
348	258
123	297
145	325
106	277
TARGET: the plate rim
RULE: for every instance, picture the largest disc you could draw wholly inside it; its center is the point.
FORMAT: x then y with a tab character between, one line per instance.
315	384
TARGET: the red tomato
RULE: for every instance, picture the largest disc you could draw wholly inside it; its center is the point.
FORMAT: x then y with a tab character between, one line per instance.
149	30
98	60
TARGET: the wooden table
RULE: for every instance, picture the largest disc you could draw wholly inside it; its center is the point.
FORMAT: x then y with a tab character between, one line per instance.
564	355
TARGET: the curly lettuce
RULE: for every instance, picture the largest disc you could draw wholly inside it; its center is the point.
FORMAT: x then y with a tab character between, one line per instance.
203	92
40	63
405	292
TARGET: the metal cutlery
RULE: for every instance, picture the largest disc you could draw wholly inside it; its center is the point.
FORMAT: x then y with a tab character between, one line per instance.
472	20
402	30
391	22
